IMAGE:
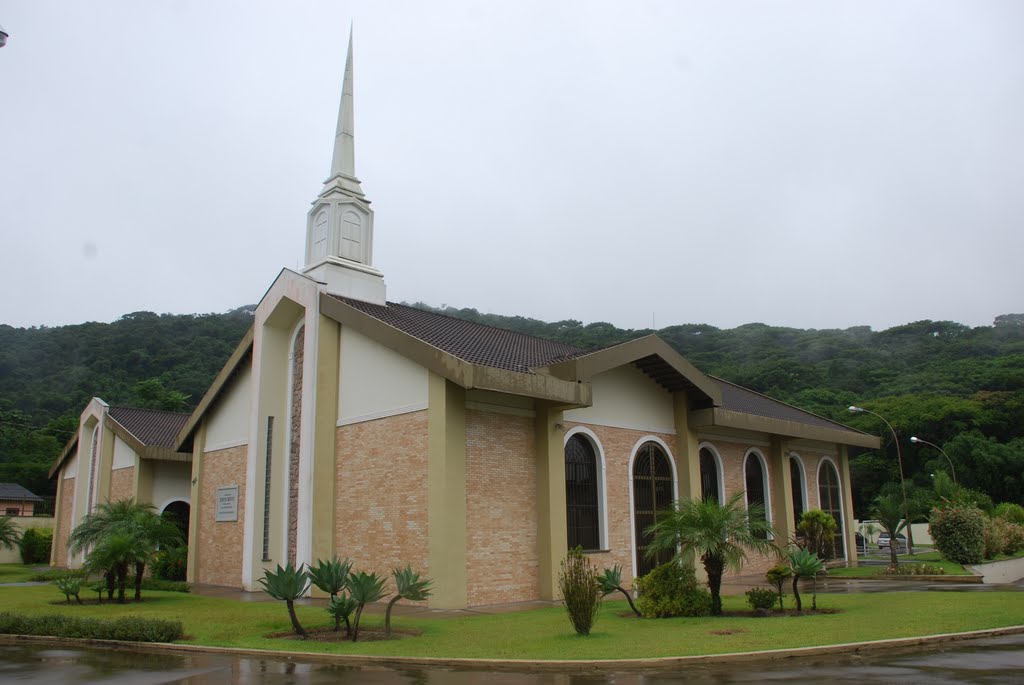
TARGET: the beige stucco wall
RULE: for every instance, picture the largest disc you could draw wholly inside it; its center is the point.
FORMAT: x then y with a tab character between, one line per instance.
624	397
501	508
219	543
124	456
381	494
227	424
171	481
70	468
376	381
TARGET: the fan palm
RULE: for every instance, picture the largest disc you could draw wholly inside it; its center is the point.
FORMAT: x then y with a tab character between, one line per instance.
9	535
888	511
718	534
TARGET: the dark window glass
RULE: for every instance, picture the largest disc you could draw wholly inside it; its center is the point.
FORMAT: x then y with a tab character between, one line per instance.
754	474
652	492
708	475
581	501
796	475
828	498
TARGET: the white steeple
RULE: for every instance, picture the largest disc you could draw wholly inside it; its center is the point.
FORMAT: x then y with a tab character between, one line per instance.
339	227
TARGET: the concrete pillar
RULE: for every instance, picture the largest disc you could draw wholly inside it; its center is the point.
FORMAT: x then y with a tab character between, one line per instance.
844	478
446	492
198	445
782	490
324	438
552	536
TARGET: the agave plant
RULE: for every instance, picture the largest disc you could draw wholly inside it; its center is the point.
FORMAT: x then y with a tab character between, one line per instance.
610	581
364	588
341	608
408	585
70	586
331	577
805	564
289	584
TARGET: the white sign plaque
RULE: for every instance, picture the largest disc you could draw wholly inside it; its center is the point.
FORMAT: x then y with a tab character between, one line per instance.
227	503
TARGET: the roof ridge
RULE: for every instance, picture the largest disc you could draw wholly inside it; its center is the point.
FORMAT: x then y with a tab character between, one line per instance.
791	406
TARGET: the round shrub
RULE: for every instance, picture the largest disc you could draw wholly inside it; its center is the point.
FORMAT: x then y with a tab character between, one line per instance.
672	590
1013	513
35	545
171	564
958	533
761	598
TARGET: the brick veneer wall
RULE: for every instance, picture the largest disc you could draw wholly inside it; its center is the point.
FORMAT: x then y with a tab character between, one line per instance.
67	499
220	542
501	509
122	484
618	444
381	493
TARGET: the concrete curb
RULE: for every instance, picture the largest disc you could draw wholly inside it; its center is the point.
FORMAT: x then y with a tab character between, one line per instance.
526	665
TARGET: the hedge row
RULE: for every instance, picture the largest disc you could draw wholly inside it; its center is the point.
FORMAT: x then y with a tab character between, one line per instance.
128	628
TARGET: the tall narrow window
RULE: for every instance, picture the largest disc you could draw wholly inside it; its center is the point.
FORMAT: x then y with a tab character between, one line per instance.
652	492
828	497
755	485
582	513
796	475
266	489
708	475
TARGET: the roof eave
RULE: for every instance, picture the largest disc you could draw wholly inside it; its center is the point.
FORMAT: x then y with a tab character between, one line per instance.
459	371
215	389
718	416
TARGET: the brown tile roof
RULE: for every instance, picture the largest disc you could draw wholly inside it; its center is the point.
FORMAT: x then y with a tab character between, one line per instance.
738	398
150	426
475	343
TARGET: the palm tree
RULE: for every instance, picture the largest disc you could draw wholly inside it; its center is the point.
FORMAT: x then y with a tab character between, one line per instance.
719	534
126	519
9	535
888	512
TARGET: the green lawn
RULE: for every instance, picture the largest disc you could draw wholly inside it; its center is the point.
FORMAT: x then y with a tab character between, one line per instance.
930	558
547	634
16	573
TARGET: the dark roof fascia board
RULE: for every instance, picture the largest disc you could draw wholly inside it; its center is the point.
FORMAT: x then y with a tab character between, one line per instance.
243	348
458	371
718	416
64	454
587	366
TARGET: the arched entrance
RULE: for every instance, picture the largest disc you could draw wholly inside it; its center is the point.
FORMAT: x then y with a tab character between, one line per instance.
652	492
828	496
179	511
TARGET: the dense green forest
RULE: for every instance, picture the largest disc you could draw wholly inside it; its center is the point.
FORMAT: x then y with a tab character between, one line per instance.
959	387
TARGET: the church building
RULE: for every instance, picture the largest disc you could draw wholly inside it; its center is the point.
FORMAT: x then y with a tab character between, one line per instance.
344	424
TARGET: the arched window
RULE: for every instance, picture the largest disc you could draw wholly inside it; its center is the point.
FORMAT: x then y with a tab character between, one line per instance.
796	475
709	480
582	510
652	492
756	484
829	501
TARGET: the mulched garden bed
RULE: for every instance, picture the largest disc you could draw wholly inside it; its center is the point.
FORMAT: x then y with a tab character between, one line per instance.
328	634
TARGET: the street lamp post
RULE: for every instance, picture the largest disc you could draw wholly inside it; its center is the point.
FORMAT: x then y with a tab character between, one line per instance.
942	451
903	481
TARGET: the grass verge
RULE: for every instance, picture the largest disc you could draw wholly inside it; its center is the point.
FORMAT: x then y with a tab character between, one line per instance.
930	558
547	634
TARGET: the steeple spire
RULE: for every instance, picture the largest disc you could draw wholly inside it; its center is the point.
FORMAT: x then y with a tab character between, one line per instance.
339	227
343	164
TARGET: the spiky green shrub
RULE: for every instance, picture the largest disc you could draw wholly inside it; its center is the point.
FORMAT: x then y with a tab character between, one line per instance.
777	576
126	629
35	545
341	608
958	532
287	584
610	581
331	577
581	591
70	586
805	564
365	588
99	588
408	585
761	597
672	590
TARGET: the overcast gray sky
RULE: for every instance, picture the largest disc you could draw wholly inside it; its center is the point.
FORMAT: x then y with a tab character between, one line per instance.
809	164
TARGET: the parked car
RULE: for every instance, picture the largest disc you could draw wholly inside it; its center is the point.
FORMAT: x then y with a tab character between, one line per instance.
883	541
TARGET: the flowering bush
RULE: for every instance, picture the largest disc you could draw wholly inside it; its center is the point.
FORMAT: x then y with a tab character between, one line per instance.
1002	537
171	564
958	532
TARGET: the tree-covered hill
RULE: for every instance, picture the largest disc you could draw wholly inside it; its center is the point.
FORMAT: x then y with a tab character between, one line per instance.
959	387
